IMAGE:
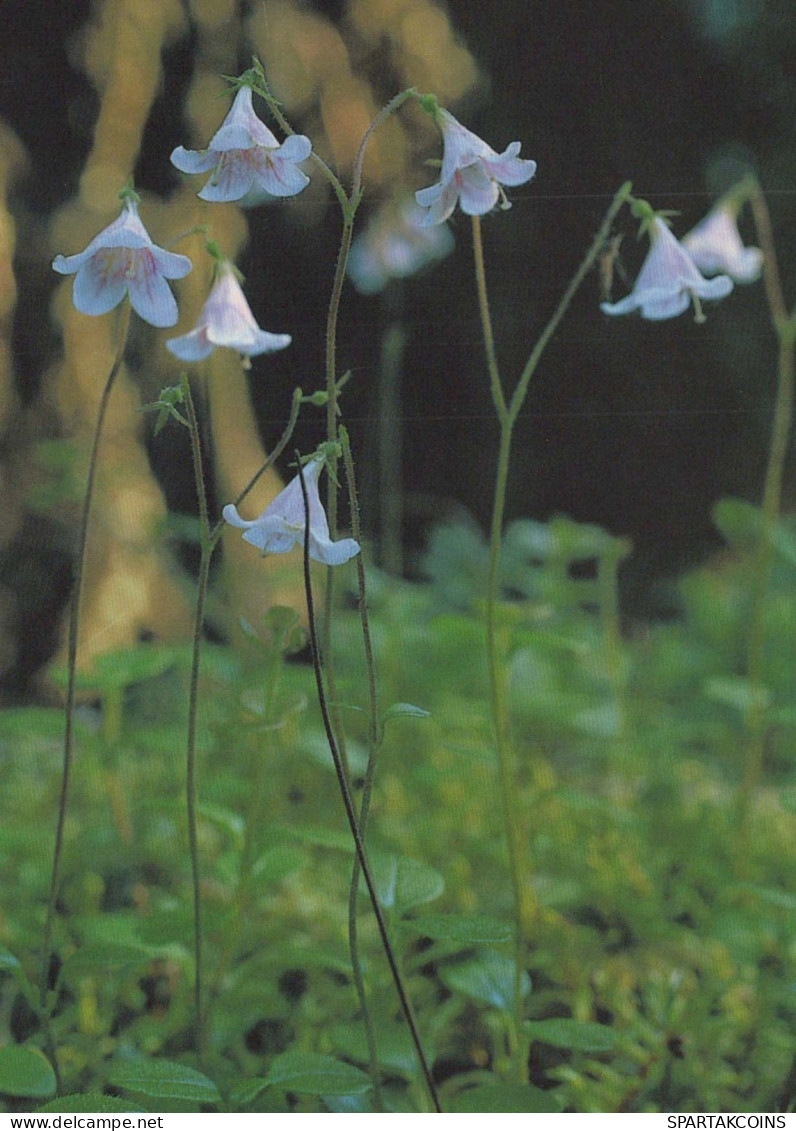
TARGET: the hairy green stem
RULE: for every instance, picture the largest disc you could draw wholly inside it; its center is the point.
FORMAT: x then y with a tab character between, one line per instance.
350	810
72	647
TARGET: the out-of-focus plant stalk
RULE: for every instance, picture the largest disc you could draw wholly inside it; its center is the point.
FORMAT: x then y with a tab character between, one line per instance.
507	410
785	328
72	647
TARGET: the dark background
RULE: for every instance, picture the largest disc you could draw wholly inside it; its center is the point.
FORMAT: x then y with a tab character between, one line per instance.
637	426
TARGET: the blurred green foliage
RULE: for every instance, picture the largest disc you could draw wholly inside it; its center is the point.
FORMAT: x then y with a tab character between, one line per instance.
662	964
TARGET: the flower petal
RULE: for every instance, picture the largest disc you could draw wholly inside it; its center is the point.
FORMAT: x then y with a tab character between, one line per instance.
191	347
68	264
477	193
169	264
232	178
97	287
151	298
242	129
440	200
278	176
716	288
267	343
332	553
508	168
230	514
665	304
193	160
296	147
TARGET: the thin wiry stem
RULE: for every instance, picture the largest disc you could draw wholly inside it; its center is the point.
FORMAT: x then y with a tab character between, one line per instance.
525	909
72	647
207	544
373	747
350	810
785	328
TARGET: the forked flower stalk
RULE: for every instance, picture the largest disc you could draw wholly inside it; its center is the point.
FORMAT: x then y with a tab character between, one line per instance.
507	410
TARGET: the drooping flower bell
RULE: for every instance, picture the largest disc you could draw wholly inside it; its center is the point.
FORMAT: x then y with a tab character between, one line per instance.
226	320
715	245
243	154
123	260
669	281
395	245
472	173
282	524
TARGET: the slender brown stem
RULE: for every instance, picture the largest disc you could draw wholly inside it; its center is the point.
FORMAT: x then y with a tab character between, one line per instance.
350	810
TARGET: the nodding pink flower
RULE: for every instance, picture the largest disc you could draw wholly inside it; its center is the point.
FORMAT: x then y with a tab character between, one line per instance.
244	154
668	281
123	260
715	245
396	244
226	320
472	173
282	524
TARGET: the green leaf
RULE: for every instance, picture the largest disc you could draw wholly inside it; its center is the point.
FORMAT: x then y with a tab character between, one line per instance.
246	1091
489	977
403	711
580	1036
93	1102
163	1079
503	1098
320	837
465	929
735	691
109	955
316	1075
8	961
393	1044
276	863
740	523
402	882
25	1071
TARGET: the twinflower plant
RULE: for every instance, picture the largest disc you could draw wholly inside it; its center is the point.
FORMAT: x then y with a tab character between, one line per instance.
472	173
715	244
282	524
243	154
122	260
669	281
226	320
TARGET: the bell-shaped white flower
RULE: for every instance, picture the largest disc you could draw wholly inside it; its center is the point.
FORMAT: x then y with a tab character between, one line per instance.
472	173
395	245
282	524
226	320
123	260
243	155
715	245
668	281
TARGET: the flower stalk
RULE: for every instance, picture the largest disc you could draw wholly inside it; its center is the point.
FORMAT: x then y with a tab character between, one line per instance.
72	649
785	328
351	814
507	410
